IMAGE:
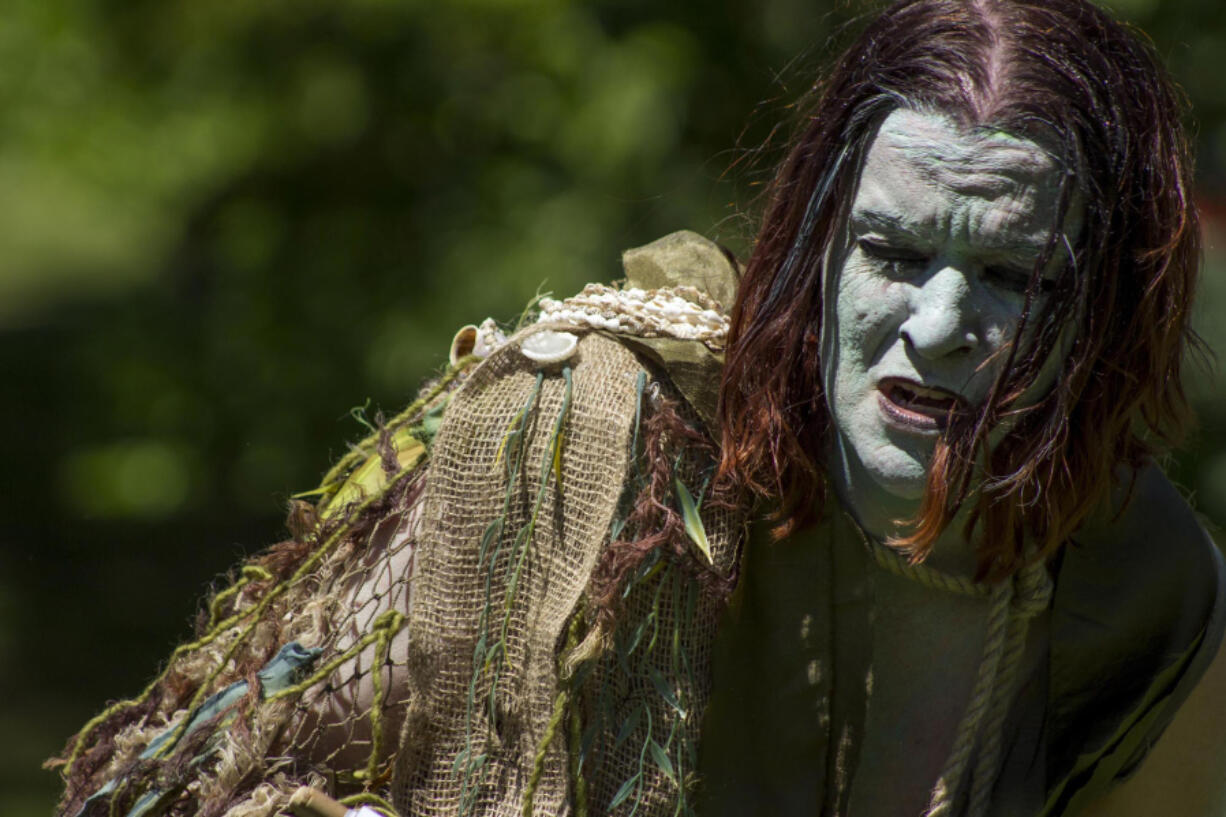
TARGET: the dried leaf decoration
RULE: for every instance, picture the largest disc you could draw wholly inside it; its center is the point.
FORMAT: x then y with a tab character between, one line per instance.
369	478
693	522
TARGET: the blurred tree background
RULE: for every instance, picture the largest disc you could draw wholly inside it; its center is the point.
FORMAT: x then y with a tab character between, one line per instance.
223	224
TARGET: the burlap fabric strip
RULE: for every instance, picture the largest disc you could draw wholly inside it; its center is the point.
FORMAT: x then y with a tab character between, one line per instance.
511	531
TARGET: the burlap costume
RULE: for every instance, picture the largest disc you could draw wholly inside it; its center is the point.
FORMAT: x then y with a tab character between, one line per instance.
496	493
427	641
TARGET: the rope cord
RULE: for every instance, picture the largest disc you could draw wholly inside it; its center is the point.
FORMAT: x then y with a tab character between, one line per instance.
940	803
1012	603
366	446
1032	594
893	561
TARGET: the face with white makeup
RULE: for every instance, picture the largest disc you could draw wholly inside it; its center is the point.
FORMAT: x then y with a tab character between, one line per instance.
925	287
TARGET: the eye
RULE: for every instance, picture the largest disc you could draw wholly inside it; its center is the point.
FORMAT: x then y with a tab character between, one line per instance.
1015	280
898	259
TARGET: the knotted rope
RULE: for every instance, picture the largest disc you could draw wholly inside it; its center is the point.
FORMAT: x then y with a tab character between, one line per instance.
1012	604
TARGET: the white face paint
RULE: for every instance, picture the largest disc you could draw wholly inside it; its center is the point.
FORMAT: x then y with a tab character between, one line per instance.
927	285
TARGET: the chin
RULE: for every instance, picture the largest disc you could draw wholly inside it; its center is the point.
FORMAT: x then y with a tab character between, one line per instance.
903	487
889	466
898	473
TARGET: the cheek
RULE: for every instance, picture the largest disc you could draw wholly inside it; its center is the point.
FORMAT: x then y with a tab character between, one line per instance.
998	317
1052	368
869	308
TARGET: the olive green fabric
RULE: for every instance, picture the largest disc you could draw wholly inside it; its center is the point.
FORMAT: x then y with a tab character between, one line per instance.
1110	668
784	686
685	258
693	369
767	732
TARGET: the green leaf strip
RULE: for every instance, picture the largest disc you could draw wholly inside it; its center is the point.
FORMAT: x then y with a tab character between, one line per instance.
693	522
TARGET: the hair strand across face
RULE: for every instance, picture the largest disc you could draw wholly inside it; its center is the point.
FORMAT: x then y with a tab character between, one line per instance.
1066	75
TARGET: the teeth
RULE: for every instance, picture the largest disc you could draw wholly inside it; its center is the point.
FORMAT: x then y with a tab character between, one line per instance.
935	402
905	396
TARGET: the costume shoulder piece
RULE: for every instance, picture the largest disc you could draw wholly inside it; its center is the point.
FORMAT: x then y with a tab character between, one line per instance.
1138	613
519	577
678	291
563	460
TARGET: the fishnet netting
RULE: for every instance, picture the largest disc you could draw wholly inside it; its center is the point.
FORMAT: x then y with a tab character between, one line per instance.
340	587
447	605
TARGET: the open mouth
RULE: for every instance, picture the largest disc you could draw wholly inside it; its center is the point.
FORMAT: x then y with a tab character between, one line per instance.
922	408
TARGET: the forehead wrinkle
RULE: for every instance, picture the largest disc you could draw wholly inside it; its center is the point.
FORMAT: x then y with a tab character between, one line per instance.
891	224
924	173
989	174
981	162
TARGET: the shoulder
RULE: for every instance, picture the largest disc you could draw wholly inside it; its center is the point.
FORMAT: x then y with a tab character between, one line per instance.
1148	550
1136	588
1147	512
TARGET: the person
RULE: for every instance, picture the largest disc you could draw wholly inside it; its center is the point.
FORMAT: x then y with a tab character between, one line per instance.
912	555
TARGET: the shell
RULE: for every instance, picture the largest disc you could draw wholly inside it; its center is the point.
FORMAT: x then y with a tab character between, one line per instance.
481	341
548	346
463	342
489	339
679	312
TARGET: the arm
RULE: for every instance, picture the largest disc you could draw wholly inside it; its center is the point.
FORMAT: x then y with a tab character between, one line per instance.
1185	774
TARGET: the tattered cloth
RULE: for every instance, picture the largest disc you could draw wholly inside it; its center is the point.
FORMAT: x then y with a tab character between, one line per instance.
440	585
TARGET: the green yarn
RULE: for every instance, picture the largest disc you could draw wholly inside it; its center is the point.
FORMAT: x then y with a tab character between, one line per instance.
363	449
276	592
250	573
555	722
369	799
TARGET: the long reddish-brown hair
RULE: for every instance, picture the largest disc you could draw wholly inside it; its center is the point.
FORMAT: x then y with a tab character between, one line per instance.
1067	75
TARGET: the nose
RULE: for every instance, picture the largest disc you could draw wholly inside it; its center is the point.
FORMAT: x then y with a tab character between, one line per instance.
942	319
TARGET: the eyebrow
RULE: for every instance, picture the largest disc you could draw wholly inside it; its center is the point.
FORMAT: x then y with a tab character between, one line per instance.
878	220
891	224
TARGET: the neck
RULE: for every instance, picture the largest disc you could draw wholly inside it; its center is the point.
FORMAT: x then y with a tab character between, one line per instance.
885	515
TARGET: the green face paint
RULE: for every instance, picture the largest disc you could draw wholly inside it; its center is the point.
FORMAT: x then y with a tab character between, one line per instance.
925	286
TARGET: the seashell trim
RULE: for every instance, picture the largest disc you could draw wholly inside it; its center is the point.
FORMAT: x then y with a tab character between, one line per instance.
481	341
679	312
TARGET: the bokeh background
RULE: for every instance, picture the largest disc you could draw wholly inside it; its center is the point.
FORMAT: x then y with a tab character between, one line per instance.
224	224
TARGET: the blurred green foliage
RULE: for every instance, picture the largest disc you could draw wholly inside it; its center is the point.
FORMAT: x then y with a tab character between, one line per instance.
224	223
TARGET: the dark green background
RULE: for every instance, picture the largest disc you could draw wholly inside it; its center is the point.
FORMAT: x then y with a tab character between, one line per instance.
224	223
